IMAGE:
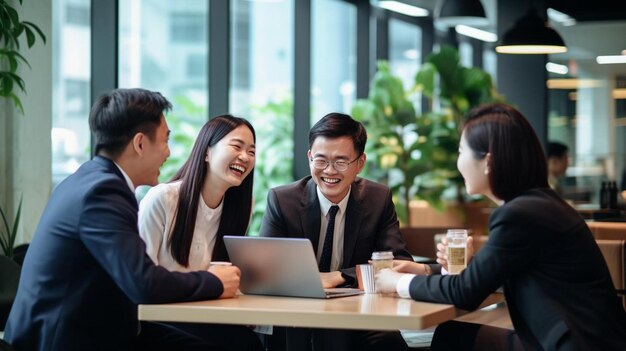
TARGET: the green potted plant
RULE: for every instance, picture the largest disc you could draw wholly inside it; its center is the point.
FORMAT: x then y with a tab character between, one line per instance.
11	30
405	146
416	154
8	231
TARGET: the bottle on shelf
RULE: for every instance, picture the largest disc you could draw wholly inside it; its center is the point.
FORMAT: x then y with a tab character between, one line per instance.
604	196
613	195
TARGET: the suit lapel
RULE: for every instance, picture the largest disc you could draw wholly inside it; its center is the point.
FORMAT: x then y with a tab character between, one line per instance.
311	214
353	223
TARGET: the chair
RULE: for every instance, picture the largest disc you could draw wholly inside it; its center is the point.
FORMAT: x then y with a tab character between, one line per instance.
608	230
420	241
614	252
10	273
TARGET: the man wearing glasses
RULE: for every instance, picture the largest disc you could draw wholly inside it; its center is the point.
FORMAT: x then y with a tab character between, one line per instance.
345	217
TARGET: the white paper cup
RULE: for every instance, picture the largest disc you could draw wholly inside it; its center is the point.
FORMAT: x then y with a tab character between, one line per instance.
365	274
220	263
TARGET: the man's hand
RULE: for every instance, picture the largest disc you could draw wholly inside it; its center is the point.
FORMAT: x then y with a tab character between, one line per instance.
229	276
386	281
332	279
442	255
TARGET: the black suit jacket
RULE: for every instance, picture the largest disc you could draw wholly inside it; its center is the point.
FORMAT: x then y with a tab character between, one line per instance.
293	210
557	285
87	269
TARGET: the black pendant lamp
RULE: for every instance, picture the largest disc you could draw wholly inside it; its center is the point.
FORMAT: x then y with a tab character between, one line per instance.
531	35
467	12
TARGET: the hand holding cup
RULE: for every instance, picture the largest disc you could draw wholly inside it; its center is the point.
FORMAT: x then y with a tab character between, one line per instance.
229	275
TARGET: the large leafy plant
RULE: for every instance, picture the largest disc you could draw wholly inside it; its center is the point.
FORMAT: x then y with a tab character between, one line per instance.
457	88
273	123
416	154
410	151
11	30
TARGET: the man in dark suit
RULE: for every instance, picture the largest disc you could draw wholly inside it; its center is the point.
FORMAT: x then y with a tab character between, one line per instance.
87	268
345	217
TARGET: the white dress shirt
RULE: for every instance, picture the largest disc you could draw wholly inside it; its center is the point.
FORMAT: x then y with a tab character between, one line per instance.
340	223
156	221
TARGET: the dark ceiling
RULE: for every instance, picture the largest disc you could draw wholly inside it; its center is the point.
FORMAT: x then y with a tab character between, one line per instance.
591	10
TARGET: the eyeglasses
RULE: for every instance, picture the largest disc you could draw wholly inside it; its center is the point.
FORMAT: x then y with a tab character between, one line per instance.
339	165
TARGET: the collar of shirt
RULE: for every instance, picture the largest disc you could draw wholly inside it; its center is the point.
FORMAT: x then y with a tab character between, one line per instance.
325	204
126	177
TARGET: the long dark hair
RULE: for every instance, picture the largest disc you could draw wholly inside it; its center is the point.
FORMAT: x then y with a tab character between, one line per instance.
517	159
237	200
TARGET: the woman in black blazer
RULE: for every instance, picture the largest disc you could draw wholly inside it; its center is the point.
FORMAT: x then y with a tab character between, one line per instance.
556	283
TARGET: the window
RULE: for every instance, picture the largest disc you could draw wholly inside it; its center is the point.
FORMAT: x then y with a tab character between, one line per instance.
71	94
188	28
77	97
152	59
333	57
77	14
405	54
262	90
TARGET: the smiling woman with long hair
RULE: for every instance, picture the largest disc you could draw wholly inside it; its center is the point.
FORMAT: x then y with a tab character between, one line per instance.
183	222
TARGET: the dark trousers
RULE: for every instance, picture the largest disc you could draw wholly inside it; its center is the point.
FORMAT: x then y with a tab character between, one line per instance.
163	337
455	335
305	339
224	337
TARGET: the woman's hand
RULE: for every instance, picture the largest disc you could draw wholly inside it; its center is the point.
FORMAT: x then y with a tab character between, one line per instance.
386	280
442	255
410	267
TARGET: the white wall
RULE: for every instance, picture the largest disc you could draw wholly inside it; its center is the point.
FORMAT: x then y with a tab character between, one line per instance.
25	159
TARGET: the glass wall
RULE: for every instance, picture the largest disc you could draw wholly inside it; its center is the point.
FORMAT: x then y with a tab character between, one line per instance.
582	115
71	59
333	57
262	89
163	47
405	54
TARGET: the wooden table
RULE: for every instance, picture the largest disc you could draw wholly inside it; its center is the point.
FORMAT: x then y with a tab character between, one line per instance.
368	312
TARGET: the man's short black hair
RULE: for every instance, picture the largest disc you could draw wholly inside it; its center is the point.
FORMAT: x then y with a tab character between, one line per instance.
556	149
121	113
336	125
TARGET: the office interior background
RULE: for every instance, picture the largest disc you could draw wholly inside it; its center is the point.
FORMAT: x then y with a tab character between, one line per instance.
283	64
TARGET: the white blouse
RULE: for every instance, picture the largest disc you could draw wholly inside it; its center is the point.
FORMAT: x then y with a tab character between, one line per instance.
156	221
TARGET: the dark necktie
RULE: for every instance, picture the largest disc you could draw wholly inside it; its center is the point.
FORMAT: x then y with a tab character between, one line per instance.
327	250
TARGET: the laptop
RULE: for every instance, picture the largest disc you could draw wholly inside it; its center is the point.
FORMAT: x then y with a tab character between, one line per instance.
279	266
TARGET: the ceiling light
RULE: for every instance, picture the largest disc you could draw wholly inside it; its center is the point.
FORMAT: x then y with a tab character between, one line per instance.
476	33
572	83
531	35
560	17
611	59
556	68
468	12
619	94
403	8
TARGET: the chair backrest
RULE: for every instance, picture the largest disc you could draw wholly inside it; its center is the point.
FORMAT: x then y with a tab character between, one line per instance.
420	241
608	230
614	252
10	273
